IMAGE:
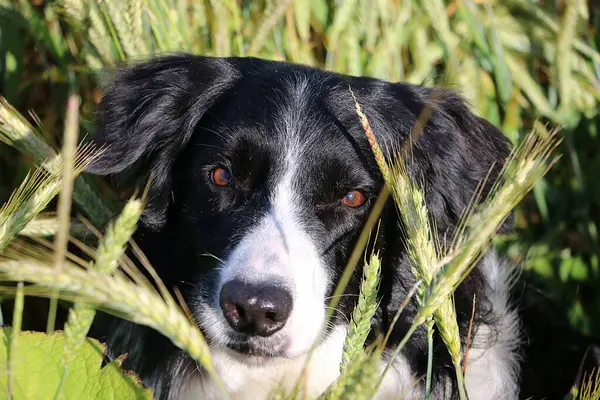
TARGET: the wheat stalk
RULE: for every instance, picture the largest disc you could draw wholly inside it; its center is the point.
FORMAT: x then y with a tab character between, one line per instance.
220	28
47	225
422	251
420	240
525	166
590	386
566	36
358	379
76	9
267	24
16	131
134	16
65	196
118	20
114	294
15	332
98	34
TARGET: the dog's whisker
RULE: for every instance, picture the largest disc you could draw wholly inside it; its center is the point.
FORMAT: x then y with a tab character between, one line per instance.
222	264
342	295
340	312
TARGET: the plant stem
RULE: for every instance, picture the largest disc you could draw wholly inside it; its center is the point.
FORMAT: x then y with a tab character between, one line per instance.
397	351
460	379
65	197
347	274
429	359
16	331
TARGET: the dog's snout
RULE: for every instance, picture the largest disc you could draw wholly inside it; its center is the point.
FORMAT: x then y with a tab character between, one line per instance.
255	309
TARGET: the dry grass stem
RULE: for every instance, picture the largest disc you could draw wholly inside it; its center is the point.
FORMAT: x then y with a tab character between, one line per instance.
65	196
468	341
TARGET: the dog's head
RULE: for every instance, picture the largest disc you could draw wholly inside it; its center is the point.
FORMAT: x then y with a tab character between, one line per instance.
262	178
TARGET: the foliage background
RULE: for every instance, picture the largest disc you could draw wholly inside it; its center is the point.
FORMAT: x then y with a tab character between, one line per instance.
515	61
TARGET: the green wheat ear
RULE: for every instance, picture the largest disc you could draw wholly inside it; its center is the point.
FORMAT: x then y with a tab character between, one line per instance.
46	224
359	379
33	195
111	249
360	323
16	131
525	166
420	240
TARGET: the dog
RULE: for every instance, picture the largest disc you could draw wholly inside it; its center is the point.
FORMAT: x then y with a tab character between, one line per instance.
262	179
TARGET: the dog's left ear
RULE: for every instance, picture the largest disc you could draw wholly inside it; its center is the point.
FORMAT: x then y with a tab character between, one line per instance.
148	113
452	149
458	151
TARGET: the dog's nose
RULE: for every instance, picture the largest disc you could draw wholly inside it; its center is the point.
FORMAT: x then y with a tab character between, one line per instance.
255	309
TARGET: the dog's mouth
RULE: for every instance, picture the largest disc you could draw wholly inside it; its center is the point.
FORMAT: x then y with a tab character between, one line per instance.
254	350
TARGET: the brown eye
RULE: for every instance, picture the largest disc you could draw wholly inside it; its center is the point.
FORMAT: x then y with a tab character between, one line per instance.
220	176
354	199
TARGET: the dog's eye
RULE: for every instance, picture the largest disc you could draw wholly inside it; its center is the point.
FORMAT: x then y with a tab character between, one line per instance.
220	176
354	199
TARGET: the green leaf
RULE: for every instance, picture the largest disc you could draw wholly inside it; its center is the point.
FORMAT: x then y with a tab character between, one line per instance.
37	370
503	75
46	31
11	54
474	20
320	13
302	16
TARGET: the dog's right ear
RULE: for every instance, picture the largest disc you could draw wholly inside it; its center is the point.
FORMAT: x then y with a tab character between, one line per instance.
154	105
148	113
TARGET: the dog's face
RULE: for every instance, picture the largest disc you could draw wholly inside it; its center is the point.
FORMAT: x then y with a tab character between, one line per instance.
262	179
274	191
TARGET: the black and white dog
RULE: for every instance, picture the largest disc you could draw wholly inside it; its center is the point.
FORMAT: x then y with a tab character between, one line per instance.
262	179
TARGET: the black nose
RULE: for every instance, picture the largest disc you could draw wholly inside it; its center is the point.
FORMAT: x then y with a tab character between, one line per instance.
255	309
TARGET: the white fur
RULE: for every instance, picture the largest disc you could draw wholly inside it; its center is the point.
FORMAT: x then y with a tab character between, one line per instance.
255	382
279	250
492	364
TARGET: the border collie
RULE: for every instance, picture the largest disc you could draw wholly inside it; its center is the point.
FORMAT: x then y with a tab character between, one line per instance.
262	179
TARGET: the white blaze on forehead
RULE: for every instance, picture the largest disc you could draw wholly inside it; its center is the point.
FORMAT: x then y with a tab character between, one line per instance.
278	250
